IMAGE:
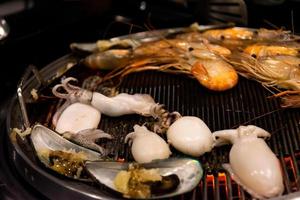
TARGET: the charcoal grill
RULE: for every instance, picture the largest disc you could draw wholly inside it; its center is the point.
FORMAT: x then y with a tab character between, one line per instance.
247	103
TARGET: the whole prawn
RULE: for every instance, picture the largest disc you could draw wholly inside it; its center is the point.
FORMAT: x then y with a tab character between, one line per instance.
260	50
273	71
237	33
199	60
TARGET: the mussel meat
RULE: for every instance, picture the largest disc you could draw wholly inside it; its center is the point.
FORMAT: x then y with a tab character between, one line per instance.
59	154
158	179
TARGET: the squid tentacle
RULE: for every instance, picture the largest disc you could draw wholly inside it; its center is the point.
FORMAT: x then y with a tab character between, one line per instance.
74	93
129	138
59	94
87	138
165	118
253	130
224	137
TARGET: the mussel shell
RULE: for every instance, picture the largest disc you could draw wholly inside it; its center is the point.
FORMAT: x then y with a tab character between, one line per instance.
168	184
45	139
189	172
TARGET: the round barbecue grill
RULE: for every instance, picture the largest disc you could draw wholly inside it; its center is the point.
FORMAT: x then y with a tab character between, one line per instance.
247	103
22	176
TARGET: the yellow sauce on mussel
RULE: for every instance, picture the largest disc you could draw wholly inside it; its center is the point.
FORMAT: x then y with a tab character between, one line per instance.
138	182
133	183
66	163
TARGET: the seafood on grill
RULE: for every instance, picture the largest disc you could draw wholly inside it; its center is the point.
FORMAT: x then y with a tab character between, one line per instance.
199	60
147	146
108	60
154	180
118	105
104	45
190	135
78	122
237	38
259	50
138	182
289	98
59	154
275	35
252	164
280	71
238	33
229	33
76	117
121	104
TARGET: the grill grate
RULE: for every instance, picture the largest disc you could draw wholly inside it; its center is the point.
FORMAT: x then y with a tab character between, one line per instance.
247	103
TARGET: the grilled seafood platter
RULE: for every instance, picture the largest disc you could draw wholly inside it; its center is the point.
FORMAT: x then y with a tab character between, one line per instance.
106	119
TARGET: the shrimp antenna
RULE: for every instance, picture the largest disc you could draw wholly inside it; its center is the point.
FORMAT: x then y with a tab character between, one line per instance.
107	28
130	28
148	23
292	21
271	24
258	117
122	20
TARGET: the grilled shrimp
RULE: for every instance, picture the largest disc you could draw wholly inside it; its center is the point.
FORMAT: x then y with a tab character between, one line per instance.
280	71
229	33
259	50
289	99
199	60
193	36
274	35
214	73
237	33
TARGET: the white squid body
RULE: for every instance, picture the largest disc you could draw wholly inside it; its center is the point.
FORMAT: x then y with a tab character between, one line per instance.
190	135
118	105
147	145
76	117
252	163
123	104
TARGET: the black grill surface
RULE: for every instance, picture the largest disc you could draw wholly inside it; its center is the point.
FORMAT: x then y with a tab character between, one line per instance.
245	104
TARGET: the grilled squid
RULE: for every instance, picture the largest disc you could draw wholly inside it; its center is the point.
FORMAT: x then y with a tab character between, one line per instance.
252	163
190	135
78	122
118	105
147	146
121	104
76	117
